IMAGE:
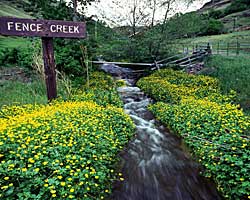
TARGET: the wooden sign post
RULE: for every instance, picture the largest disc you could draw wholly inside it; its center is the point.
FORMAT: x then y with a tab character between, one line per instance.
47	30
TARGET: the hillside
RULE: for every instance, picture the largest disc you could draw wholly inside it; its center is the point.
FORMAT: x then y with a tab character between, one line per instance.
14	9
216	4
234	14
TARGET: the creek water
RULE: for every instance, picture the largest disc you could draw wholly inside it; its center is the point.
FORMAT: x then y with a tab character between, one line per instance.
155	165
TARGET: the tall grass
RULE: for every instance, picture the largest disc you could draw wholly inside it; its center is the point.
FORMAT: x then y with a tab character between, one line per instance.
17	92
234	74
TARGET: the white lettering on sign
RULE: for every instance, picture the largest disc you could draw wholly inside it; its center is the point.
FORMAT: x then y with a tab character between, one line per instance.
64	29
53	28
10	25
39	27
33	27
59	28
17	26
76	29
71	29
26	27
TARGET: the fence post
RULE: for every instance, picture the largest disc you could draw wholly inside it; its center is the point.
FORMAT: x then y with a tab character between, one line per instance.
218	48
238	47
228	49
209	50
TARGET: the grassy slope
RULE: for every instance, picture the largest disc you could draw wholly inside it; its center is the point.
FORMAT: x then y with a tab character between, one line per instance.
8	9
242	20
242	17
11	9
233	73
243	37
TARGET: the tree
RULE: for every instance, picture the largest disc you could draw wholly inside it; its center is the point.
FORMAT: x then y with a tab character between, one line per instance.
82	3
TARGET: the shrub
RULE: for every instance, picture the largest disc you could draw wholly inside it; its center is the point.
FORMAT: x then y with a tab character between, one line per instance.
17	56
62	150
216	14
213	27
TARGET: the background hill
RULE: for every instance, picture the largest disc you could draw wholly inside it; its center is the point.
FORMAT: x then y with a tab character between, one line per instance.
216	4
235	14
14	8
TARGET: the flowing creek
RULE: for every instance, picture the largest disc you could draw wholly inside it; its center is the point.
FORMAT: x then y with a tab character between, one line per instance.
154	164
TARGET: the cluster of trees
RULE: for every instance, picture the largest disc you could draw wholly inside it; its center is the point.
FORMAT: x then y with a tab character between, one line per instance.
150	26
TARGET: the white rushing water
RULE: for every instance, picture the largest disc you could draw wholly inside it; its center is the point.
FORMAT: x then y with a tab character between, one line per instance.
154	165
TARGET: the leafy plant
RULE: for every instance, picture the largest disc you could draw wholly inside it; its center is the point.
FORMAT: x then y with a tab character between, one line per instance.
213	27
67	149
216	130
54	152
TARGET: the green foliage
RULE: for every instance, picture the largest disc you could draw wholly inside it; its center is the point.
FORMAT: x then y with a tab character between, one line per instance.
233	73
172	86
50	9
215	133
216	14
16	56
216	130
16	92
101	90
213	27
186	25
237	6
63	150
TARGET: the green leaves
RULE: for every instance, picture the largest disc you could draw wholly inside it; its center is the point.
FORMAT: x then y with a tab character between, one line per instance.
67	149
209	124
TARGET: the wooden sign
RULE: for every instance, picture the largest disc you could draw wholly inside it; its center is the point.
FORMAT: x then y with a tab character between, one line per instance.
42	28
47	30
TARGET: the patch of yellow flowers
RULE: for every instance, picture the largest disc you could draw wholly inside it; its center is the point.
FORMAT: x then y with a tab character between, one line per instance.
65	150
215	129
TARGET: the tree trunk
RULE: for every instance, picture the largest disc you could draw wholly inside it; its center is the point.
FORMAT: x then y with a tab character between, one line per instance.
153	14
134	18
75	17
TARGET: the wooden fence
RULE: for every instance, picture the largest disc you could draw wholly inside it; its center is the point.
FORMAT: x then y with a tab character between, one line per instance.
220	47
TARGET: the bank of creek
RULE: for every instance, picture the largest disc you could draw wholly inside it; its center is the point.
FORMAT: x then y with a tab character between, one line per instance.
154	164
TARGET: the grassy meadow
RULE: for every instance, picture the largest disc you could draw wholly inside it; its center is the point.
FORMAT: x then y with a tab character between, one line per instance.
233	74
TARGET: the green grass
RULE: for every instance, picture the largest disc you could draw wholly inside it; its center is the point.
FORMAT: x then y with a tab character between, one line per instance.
10	10
233	73
16	92
220	42
243	37
13	42
242	20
